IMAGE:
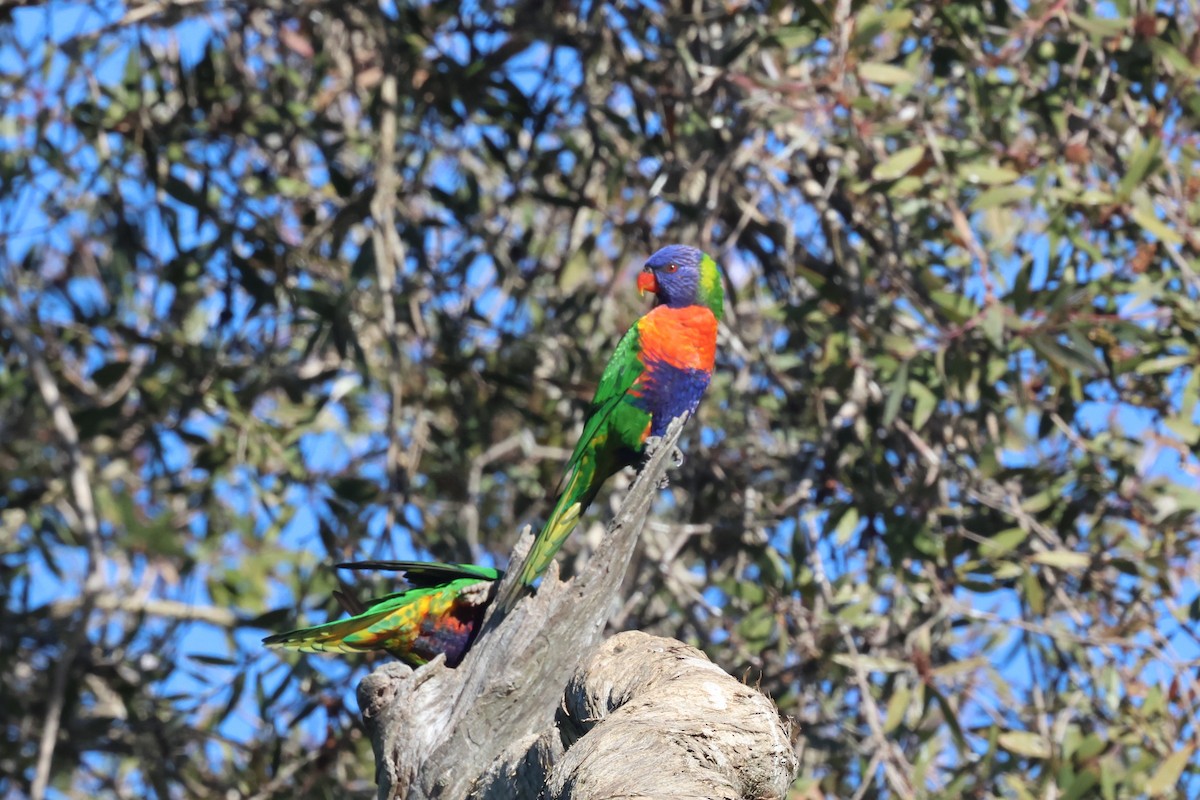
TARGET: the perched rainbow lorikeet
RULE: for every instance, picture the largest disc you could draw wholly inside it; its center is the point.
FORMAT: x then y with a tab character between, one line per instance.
659	371
441	613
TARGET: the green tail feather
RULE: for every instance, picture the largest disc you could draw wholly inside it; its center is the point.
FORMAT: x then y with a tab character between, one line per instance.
412	624
546	545
331	636
573	500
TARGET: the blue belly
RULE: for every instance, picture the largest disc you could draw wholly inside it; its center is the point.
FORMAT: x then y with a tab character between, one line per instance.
669	391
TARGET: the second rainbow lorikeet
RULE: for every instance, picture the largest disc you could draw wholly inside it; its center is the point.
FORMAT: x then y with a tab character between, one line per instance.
659	371
441	613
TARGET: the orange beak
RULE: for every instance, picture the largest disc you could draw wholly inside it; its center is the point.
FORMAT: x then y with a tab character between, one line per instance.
647	283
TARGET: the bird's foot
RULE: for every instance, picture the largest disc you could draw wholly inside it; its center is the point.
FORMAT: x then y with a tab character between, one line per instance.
652	445
676	460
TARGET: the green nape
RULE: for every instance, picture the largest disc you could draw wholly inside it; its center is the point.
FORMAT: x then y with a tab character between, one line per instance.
711	291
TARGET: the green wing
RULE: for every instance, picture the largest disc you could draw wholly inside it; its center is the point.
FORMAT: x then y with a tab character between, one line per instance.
414	625
614	427
620	374
427	573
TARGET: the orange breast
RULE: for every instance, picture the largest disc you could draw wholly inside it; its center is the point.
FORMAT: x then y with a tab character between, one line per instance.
682	337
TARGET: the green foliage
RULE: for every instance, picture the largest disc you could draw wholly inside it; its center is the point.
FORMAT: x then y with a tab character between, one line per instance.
337	281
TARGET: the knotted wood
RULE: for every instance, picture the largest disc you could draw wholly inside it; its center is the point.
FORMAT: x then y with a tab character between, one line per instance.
651	717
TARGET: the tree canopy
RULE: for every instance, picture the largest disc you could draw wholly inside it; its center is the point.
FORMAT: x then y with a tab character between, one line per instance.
286	283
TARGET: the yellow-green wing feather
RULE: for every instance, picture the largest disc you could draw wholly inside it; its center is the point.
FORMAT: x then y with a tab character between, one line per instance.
414	625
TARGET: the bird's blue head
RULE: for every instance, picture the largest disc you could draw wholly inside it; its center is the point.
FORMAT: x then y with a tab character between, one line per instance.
682	276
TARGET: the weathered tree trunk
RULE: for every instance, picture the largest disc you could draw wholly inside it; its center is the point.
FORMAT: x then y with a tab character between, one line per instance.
487	729
653	717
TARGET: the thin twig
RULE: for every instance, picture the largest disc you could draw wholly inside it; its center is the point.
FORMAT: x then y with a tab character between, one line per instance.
389	260
895	765
1185	269
167	609
961	225
521	442
85	509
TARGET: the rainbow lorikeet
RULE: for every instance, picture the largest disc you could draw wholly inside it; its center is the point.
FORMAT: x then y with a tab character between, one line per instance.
441	613
659	371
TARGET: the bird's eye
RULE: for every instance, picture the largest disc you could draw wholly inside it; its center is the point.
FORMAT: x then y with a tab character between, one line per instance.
669	268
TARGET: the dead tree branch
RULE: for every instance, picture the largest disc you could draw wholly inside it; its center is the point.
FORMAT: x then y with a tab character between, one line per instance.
436	730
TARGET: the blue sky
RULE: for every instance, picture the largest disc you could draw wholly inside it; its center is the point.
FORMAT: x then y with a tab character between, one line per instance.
24	225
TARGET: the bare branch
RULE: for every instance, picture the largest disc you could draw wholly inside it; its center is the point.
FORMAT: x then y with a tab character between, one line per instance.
85	507
168	609
389	260
895	766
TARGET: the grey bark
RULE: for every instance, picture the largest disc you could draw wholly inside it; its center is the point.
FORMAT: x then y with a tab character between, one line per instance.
652	717
486	729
